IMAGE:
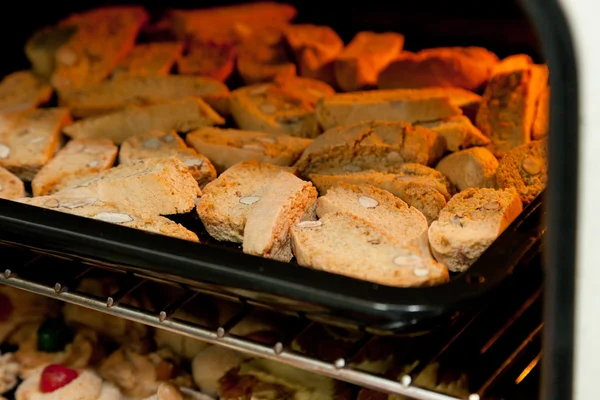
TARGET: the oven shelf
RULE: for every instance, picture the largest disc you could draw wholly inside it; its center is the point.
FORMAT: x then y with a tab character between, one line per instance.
510	351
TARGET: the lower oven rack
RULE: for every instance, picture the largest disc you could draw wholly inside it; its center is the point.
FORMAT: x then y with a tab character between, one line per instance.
515	335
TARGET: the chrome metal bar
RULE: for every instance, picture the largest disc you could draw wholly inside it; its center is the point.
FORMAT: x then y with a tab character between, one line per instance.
126	289
176	304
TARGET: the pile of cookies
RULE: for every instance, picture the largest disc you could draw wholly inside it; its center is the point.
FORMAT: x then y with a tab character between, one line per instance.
360	159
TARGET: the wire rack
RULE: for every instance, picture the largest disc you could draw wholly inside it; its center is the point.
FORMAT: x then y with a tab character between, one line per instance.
498	345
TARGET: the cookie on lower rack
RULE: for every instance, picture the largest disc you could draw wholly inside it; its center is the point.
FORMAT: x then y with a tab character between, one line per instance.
23	90
11	187
471	168
168	391
9	370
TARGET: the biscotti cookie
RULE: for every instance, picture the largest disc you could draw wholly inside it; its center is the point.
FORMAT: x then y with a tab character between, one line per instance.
470	223
103	38
346	245
110	212
525	168
180	115
372	145
286	201
42	46
227	201
160	144
382	209
464	67
285	106
78	161
542	116
471	168
29	139
11	187
508	106
151	59
359	64
402	105
157	185
315	49
115	95
23	90
459	132
208	59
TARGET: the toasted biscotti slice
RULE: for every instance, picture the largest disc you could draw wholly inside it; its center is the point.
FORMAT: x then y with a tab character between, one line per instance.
542	116
23	90
285	106
402	105
359	64
114	95
459	132
471	168
180	115
464	67
149	59
161	144
29	139
508	106
469	224
158	186
382	209
315	49
103	38
286	200
42	46
228	200
11	187
110	212
227	147
78	161
525	168
208	59
346	245
372	145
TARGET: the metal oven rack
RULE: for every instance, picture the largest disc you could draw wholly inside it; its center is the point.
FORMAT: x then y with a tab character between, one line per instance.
499	344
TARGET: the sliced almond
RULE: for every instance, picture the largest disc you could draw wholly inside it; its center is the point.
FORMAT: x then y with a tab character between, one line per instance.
267	108
193	162
531	166
4	151
309	224
408	260
248	200
115	218
253	146
421	272
151	143
51	203
367	202
66	56
93	163
168	138
259	90
492	205
77	203
394	156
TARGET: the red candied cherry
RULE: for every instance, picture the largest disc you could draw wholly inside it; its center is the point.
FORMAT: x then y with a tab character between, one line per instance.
55	376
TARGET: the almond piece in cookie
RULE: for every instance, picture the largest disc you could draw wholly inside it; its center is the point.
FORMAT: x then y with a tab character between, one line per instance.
160	144
463	67
359	64
315	49
181	115
346	245
471	168
227	147
11	187
29	139
23	90
286	201
78	161
470	223
459	132
211	60
41	48
525	168
542	116
150	59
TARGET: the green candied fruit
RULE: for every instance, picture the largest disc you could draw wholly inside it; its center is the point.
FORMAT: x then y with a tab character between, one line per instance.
54	335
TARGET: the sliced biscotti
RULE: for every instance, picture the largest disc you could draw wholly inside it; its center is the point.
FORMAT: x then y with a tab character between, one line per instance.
382	209
403	105
41	48
459	132
372	145
469	224
29	139
471	168
150	59
23	90
212	60
359	64
179	115
156	185
227	201
77	162
542	116
161	144
11	187
525	168
110	212
508	107
286	106
464	67
286	200
115	95
346	245
227	147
